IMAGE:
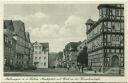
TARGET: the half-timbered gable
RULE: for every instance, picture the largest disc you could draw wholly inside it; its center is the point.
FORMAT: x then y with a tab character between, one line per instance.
105	38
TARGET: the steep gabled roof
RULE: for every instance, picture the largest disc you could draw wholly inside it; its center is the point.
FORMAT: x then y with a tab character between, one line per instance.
45	46
19	28
27	36
72	45
8	25
89	21
111	6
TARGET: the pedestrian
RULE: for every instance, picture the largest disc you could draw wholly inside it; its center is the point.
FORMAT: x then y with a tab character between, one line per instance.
100	69
95	71
119	71
67	67
78	67
82	68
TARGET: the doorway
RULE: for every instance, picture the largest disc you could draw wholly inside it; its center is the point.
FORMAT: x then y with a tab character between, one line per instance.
115	61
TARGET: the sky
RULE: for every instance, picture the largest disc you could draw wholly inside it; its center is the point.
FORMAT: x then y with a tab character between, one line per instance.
57	24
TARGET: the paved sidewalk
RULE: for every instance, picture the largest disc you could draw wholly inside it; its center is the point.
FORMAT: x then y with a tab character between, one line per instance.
92	72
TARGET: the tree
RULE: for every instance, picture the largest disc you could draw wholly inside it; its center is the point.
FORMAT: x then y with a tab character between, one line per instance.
59	58
60	55
83	57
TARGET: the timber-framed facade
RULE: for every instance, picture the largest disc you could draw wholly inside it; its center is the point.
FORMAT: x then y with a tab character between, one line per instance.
105	38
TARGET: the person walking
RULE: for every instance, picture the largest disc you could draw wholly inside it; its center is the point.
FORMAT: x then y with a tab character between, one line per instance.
78	66
82	68
119	71
68	67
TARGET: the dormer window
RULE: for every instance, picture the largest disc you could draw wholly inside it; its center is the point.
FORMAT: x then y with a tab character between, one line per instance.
88	27
104	11
35	47
89	23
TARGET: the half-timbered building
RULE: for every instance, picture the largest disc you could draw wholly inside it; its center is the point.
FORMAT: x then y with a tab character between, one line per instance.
105	38
9	46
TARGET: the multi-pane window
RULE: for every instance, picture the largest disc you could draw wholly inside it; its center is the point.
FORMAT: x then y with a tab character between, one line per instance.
108	38
104	11
100	12
112	50
45	52
117	12
35	52
122	27
113	12
115	39
109	25
117	25
121	12
108	50
39	47
107	11
44	64
118	5
122	51
122	59
110	10
10	50
113	25
44	58
39	52
122	42
117	50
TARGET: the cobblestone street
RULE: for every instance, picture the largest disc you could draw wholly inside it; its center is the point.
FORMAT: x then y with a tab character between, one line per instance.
56	72
46	72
